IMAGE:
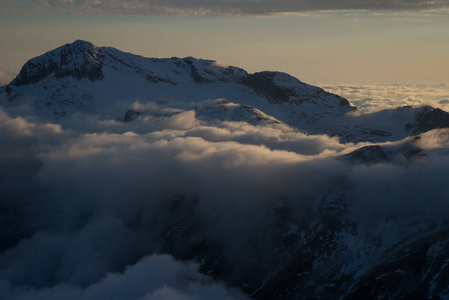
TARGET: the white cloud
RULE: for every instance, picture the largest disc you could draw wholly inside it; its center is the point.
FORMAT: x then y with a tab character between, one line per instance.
85	208
371	98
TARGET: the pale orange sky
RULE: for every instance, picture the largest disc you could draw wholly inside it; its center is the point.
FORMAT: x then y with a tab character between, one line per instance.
321	47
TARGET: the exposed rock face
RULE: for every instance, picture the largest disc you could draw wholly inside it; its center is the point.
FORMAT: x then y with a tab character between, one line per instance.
379	132
223	110
428	118
213	73
279	87
80	59
369	155
324	255
34	71
82	77
263	84
131	115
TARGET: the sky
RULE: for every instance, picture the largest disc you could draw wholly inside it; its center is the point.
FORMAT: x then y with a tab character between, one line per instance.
320	42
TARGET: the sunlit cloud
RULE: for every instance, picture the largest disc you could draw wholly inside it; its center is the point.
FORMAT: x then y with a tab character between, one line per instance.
371	98
92	204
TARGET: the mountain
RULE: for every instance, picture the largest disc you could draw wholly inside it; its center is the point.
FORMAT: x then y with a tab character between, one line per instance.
81	77
346	221
326	254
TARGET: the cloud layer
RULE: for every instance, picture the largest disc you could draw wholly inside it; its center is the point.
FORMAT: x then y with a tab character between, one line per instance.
233	7
87	206
371	98
157	277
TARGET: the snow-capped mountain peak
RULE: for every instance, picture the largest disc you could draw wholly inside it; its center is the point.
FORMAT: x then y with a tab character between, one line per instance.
106	81
80	59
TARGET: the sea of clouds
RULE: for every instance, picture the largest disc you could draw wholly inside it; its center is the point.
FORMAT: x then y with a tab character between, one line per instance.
374	97
86	203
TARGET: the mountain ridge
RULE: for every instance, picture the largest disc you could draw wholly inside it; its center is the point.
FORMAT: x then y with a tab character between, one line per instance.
110	157
82	59
83	77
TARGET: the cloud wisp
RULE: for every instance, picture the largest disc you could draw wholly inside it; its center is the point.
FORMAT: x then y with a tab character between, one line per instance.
233	7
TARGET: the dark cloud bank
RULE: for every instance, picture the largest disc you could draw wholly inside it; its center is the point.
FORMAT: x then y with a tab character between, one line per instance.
110	210
234	7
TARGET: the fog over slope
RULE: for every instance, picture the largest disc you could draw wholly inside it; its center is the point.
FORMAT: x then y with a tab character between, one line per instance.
176	206
82	211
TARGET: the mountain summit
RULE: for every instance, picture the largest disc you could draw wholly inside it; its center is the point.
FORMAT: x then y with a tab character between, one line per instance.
135	177
80	60
81	77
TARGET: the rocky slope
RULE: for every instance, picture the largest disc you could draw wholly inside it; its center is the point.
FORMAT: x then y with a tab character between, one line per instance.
103	80
329	251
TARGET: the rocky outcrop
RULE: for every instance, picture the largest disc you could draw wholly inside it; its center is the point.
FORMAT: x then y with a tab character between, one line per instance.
223	110
368	155
429	118
279	88
207	71
80	60
263	84
325	254
53	80
131	115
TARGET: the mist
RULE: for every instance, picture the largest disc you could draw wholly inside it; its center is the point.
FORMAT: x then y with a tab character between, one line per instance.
374	97
103	209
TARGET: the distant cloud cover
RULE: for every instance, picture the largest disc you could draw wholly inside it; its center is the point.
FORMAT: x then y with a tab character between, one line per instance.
5	77
87	206
371	98
233	7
